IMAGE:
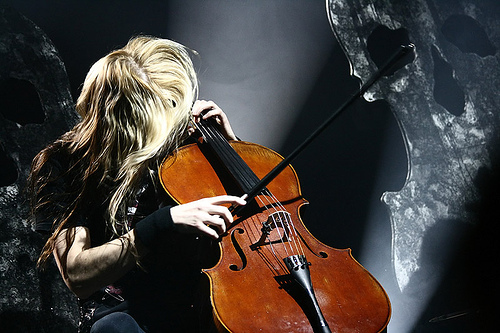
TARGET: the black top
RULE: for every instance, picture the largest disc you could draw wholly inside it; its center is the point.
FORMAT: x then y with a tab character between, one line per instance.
60	193
169	292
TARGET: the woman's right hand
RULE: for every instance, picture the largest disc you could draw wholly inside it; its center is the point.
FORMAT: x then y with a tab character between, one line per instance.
201	215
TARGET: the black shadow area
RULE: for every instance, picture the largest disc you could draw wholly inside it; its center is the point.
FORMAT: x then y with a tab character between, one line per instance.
338	172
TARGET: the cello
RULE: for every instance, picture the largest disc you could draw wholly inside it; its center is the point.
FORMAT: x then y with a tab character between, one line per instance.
272	274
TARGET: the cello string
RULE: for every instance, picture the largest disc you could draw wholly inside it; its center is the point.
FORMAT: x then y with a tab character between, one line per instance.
285	221
221	145
211	135
275	217
212	132
227	153
232	160
290	230
280	217
282	237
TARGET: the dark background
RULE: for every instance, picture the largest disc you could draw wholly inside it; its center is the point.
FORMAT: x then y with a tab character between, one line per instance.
345	170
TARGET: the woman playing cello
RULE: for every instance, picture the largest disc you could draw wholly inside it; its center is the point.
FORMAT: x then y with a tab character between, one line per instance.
114	235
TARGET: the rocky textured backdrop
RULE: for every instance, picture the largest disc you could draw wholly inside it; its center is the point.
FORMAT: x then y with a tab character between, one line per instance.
446	101
444	219
35	108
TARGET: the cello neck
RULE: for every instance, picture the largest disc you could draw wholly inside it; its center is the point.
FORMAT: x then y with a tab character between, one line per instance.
233	163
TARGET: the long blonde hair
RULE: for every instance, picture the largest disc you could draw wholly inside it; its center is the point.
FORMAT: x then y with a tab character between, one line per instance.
135	106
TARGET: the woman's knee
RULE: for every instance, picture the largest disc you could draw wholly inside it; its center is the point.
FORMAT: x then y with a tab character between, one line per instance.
117	322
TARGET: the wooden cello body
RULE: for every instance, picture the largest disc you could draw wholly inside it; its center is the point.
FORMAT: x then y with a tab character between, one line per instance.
254	286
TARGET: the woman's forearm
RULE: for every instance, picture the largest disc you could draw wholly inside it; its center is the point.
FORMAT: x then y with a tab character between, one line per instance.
86	269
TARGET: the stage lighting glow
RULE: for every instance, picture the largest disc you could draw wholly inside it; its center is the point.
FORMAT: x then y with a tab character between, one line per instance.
258	59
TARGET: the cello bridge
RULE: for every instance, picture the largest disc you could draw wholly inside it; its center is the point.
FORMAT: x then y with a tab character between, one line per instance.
276	220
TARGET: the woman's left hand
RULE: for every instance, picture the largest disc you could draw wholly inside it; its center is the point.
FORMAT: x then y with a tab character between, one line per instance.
212	110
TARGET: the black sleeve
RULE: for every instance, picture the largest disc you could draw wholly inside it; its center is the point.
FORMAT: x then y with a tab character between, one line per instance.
56	196
150	229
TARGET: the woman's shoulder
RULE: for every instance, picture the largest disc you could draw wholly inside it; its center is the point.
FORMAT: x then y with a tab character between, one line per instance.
59	161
